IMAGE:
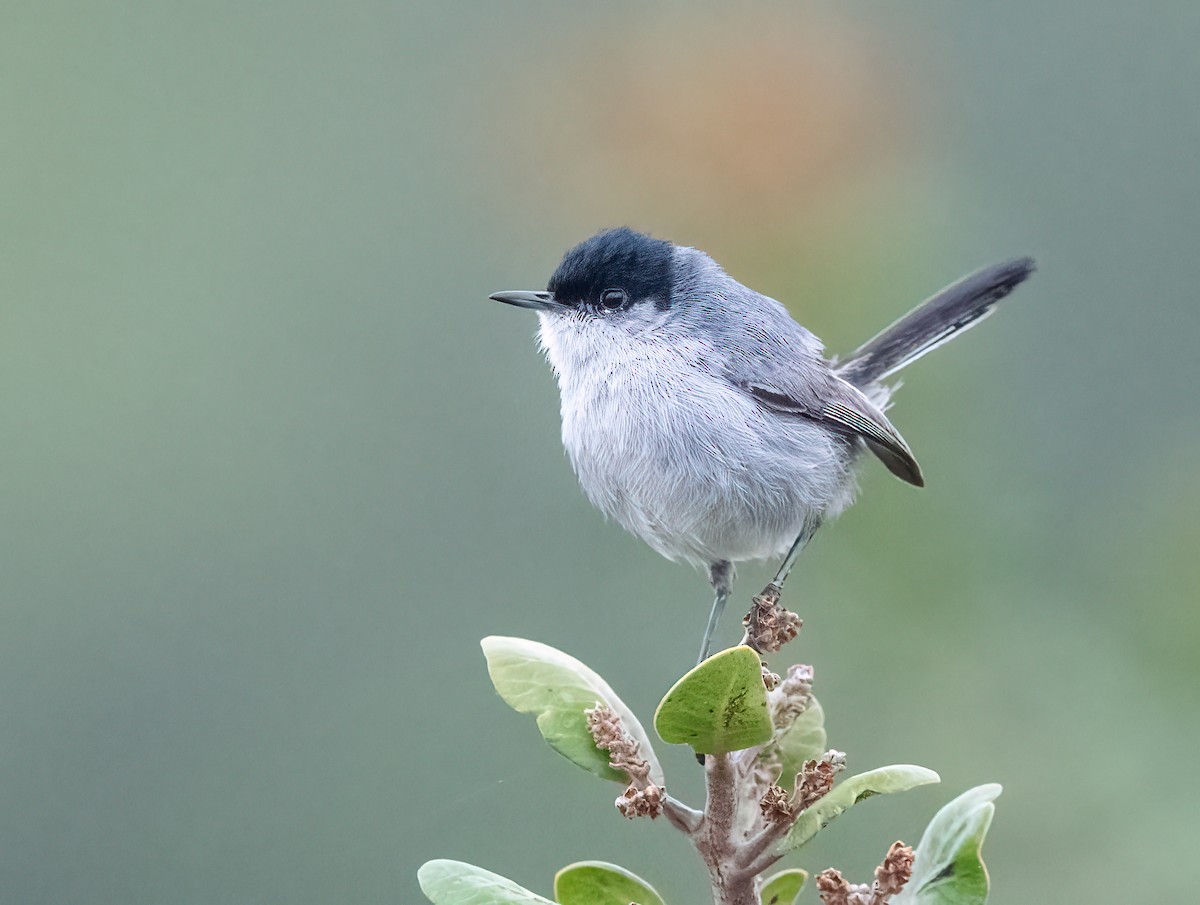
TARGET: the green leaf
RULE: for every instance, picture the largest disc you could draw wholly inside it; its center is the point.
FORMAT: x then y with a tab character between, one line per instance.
719	706
846	794
557	688
598	883
948	868
802	741
783	887
458	883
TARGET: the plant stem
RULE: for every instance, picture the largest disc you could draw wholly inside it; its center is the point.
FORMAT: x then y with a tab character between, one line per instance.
716	838
683	818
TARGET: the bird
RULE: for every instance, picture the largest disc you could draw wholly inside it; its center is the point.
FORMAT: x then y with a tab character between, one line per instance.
703	419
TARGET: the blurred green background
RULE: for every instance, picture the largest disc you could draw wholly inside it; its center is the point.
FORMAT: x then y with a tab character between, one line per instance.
273	464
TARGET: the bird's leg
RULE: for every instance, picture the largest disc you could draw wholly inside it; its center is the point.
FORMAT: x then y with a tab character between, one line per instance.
811	524
720	576
768	625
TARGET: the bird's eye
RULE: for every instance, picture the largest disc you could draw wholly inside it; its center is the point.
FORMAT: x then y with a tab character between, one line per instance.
613	299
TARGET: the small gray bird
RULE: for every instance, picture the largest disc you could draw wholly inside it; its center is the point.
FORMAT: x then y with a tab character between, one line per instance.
703	419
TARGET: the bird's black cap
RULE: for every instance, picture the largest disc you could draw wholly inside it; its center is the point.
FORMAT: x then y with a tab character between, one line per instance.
619	258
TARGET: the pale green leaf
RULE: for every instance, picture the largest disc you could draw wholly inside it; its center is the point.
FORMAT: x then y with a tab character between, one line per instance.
458	883
783	887
948	868
719	706
598	883
536	678
803	740
897	778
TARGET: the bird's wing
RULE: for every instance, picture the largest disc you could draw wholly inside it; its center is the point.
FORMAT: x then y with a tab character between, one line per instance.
779	363
841	407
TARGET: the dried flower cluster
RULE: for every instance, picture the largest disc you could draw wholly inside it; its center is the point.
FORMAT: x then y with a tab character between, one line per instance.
835	889
768	625
623	752
635	802
776	804
642	798
894	872
890	877
793	696
815	780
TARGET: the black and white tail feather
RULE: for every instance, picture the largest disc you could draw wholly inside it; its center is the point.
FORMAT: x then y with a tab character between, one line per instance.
935	321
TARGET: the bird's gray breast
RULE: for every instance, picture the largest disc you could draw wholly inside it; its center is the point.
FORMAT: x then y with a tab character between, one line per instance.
681	457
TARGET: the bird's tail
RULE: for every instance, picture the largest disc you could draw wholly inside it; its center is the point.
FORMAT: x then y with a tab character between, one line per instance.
933	322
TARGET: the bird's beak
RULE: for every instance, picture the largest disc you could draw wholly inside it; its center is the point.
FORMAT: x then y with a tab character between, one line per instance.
538	301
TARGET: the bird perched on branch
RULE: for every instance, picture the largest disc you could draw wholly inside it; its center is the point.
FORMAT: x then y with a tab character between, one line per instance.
703	419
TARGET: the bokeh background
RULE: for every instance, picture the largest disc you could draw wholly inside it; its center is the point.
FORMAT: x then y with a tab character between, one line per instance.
272	463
